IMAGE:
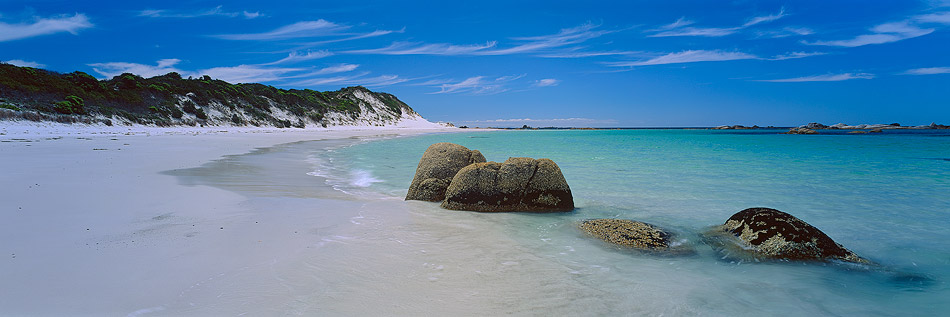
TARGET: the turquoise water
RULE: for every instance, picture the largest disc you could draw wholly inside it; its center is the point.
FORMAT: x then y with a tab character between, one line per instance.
884	196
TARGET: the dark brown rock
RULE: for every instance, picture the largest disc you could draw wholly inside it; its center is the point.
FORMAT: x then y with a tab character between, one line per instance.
634	234
518	184
438	165
775	234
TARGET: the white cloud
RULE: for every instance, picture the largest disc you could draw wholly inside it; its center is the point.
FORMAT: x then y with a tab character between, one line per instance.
690	56
301	29
232	74
547	82
682	27
407	48
928	71
357	79
216	11
880	34
827	77
785	32
337	69
44	26
22	63
940	17
565	37
765	18
548	44
796	55
473	85
694	31
247	73
295	57
113	69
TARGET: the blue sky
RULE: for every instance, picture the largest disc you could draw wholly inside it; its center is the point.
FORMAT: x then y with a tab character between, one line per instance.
541	63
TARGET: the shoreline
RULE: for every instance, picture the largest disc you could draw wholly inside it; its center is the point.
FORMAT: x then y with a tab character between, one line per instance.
93	222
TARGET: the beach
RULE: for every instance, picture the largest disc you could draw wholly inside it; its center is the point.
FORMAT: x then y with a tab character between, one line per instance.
91	225
282	222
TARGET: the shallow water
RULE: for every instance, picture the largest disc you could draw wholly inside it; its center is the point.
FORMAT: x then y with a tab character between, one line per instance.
884	196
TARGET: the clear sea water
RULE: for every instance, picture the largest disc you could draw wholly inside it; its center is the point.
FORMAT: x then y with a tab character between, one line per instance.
884	196
359	249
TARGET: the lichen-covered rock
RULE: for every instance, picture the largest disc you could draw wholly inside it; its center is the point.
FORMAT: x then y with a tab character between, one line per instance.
518	184
439	163
775	234
634	234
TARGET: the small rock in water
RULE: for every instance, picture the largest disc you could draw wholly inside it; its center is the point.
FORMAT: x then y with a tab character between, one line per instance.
634	234
774	234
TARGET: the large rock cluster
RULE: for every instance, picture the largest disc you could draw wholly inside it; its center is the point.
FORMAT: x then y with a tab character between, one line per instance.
439	163
518	184
462	180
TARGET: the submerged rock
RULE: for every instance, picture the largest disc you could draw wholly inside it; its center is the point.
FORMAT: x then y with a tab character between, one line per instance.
439	163
518	184
775	234
634	234
801	130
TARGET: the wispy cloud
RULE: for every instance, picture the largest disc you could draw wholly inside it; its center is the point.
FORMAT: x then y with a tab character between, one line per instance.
940	17
689	56
927	71
554	45
478	85
795	55
684	27
785	32
547	82
44	26
23	63
819	78
880	34
337	69
354	79
216	11
765	18
247	73
113	69
295	57
232	74
301	29
408	48
565	37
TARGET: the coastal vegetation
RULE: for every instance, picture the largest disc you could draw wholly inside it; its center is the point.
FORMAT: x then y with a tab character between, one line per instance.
170	100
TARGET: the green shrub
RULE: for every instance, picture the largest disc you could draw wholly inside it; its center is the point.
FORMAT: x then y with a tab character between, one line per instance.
200	113
9	106
237	119
189	107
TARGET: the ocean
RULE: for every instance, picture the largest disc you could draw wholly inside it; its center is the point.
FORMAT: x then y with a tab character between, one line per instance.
884	196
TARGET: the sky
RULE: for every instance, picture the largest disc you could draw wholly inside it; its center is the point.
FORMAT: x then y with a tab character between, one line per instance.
540	63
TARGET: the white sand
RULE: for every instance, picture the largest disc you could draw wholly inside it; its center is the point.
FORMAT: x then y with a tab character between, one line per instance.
88	225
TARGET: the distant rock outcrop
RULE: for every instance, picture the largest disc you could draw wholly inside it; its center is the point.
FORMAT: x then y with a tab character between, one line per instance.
634	234
439	164
815	126
801	130
518	184
735	127
774	234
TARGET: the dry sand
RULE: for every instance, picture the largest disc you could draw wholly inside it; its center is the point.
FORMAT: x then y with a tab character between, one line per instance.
90	225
